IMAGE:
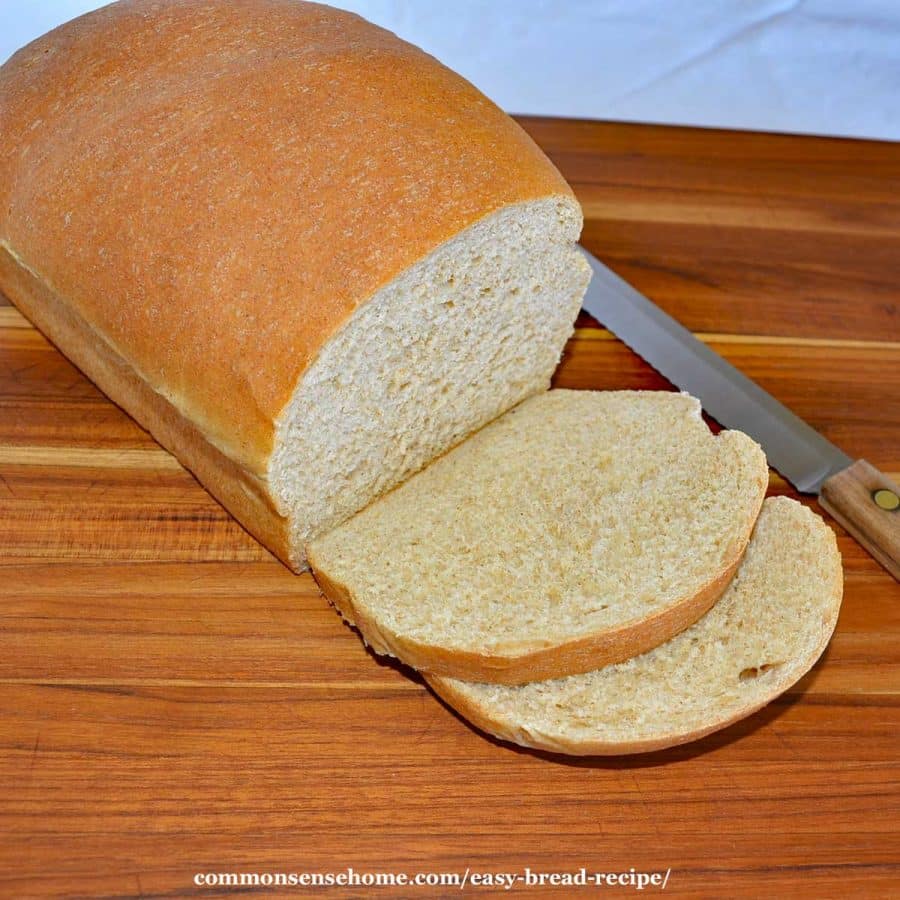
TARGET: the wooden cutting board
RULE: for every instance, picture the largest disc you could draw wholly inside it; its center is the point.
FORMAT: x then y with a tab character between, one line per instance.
175	702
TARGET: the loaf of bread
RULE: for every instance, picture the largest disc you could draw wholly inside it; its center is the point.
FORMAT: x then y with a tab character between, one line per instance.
581	528
302	253
770	626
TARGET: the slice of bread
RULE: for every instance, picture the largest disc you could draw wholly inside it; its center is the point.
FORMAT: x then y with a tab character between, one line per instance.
579	529
766	632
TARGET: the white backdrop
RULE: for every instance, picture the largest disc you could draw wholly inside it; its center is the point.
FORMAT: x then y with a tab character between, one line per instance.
819	66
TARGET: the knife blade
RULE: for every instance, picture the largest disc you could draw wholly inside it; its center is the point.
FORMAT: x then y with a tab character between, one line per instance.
861	498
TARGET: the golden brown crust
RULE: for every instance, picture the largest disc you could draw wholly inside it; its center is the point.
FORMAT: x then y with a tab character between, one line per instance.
214	189
239	491
525	663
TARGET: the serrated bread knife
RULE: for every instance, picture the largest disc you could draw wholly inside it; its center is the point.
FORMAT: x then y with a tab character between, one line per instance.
865	501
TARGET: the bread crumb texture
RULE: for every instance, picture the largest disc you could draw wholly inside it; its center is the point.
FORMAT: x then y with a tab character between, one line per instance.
468	332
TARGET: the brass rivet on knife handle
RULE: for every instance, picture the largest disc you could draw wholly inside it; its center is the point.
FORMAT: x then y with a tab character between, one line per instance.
886	499
865	501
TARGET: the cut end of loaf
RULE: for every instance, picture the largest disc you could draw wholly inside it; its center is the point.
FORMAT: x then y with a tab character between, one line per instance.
468	332
763	635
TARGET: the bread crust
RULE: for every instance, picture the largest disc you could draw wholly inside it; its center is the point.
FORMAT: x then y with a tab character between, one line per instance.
241	492
213	189
523	663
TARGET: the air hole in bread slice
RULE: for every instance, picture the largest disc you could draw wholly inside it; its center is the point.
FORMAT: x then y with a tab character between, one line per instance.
756	671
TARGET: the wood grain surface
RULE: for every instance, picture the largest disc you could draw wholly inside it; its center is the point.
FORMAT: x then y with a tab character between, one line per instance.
174	701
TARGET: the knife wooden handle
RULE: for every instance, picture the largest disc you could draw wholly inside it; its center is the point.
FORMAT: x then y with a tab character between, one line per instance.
867	503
